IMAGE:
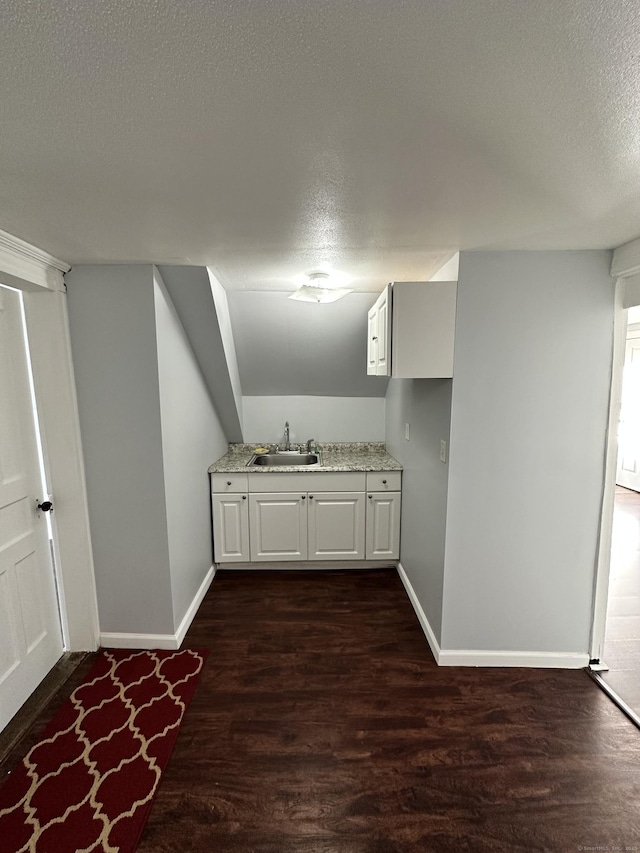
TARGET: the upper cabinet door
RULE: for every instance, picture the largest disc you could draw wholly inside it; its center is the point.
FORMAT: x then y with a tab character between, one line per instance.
372	341
383	366
379	336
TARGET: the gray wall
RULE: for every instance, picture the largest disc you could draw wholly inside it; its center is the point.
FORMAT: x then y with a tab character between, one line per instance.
207	325
529	414
192	438
221	305
150	430
425	404
294	348
323	418
113	338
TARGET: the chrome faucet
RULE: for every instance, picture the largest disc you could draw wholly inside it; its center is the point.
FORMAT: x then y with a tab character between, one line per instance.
287	442
310	444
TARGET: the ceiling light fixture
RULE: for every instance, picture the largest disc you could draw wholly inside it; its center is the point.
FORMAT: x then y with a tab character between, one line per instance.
320	288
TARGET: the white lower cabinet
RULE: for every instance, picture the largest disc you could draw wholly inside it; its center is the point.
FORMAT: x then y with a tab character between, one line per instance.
278	526
312	526
383	525
311	523
231	528
336	525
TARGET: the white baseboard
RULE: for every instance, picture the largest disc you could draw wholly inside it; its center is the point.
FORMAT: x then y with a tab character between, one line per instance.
540	660
138	641
308	565
195	604
488	657
160	641
422	617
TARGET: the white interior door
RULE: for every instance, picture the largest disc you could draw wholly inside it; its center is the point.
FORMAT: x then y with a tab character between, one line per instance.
628	470
30	631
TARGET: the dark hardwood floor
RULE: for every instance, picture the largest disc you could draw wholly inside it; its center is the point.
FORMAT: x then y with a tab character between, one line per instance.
622	634
322	725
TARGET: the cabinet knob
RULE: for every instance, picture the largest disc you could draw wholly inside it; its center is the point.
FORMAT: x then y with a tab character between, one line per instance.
375	338
384	482
310	497
370	497
244	497
304	497
228	482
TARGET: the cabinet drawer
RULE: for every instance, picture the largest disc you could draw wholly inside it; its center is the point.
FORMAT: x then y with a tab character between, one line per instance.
384	481
322	481
221	483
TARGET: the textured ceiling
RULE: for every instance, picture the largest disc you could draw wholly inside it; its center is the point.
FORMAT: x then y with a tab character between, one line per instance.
272	137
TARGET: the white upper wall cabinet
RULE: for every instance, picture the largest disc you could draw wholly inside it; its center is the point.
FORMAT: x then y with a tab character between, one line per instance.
379	335
411	330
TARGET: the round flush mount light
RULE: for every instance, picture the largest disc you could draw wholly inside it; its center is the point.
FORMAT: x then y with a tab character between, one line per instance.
322	276
320	287
319	279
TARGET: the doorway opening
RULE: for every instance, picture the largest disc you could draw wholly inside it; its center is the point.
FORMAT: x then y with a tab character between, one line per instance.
38	278
620	657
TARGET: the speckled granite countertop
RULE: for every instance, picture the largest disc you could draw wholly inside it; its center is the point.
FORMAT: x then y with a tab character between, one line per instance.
345	456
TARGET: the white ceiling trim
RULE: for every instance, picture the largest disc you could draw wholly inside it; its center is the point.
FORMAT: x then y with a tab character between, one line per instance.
24	264
626	259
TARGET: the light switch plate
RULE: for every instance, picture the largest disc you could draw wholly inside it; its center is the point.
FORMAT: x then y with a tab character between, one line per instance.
443	451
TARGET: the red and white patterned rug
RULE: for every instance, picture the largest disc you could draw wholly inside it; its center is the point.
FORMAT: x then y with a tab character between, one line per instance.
88	784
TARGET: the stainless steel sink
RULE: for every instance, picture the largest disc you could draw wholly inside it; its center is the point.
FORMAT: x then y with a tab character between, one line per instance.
287	457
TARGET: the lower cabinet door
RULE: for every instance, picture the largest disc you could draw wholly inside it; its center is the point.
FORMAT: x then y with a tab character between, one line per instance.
278	526
336	525
230	528
383	525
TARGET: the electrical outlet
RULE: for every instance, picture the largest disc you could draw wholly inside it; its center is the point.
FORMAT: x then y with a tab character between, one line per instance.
443	451
406	431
